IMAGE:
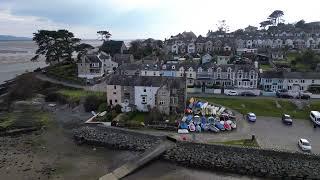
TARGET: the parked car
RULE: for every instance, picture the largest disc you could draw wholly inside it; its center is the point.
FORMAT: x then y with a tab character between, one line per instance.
305	96
304	145
247	93
315	118
284	94
251	117
287	119
232	93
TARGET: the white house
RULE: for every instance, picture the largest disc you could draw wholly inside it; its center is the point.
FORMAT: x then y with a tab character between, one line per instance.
175	48
109	65
191	48
206	58
145	97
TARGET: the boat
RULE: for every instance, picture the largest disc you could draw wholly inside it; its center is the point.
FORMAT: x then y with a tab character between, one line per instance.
227	126
213	128
183	125
189	119
183	131
218	125
198	128
205	127
196	119
184	119
232	124
192	127
211	119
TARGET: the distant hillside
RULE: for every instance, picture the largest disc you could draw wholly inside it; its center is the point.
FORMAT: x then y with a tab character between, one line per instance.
13	38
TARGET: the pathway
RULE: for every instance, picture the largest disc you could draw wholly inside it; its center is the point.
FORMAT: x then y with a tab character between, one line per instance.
46	78
137	162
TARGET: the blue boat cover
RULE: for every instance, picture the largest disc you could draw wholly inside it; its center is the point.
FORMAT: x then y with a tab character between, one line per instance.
183	125
203	120
198	128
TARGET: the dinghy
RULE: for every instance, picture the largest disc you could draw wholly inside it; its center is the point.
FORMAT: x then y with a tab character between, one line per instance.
192	127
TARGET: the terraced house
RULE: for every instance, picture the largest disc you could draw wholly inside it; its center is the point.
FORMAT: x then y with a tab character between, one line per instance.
142	93
291	81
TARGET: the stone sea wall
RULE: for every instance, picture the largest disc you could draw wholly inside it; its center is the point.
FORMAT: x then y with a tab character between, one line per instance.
247	161
239	160
115	138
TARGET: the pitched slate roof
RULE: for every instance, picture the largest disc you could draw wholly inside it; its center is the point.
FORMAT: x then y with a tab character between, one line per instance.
291	75
147	81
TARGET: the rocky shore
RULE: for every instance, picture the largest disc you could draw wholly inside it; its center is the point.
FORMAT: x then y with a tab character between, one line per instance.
239	160
115	138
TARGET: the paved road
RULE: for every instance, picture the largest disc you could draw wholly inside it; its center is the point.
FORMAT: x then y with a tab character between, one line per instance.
243	97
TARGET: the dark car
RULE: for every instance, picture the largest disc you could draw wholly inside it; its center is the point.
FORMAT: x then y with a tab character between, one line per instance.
284	95
286	119
305	96
247	93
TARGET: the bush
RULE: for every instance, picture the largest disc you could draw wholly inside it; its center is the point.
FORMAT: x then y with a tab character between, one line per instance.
118	108
103	107
92	103
52	97
153	116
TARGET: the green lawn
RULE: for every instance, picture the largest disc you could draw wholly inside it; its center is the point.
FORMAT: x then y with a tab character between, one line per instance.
65	72
139	117
265	107
266	67
241	142
75	95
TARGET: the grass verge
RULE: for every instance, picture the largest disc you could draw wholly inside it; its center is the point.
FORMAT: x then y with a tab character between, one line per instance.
265	107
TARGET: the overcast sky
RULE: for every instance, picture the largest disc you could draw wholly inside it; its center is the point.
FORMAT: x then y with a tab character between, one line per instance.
130	19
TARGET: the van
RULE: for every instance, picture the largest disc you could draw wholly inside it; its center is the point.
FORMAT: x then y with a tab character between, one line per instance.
315	117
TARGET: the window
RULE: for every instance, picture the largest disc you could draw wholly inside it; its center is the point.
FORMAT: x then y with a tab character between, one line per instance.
114	92
312	81
301	88
190	75
289	88
302	81
114	87
251	77
116	100
144	100
144	90
161	102
190	81
154	73
239	83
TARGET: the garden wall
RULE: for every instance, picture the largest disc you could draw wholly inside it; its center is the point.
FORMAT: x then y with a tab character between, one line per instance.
248	161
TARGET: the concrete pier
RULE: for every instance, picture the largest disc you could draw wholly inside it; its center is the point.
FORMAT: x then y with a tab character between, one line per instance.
139	161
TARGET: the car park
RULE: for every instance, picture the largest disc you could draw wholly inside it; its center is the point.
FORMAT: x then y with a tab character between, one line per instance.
251	117
304	145
286	119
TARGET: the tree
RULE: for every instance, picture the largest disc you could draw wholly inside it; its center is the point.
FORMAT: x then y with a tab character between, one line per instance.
56	46
83	49
222	26
266	23
300	24
275	17
104	35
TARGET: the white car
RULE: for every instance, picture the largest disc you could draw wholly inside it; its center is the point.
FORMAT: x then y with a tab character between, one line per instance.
304	145
232	93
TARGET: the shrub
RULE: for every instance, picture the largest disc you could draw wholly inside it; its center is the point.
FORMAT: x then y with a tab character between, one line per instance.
153	116
91	103
118	108
103	107
52	97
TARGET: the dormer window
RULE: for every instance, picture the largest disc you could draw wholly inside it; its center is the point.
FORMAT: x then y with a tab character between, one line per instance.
200	70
